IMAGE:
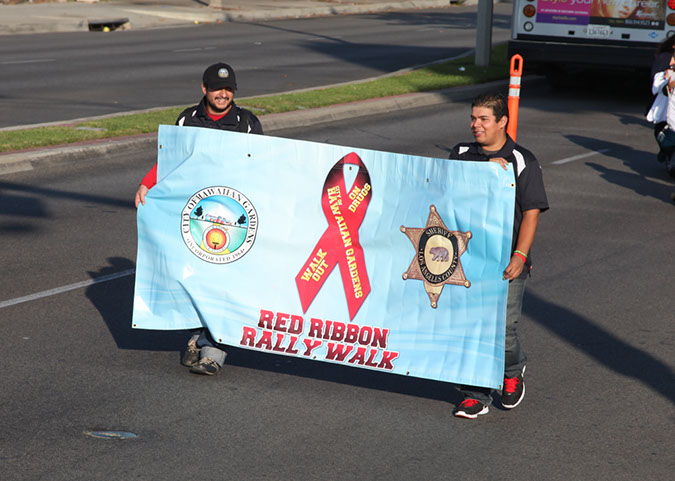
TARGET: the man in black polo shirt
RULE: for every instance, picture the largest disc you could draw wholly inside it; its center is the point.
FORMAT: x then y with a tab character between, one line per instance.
216	110
489	118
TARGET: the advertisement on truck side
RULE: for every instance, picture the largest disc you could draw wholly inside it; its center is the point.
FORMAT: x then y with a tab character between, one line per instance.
606	32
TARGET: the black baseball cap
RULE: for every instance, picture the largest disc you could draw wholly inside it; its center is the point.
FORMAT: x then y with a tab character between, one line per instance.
219	76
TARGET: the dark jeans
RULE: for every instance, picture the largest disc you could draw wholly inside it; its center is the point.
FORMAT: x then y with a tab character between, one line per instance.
514	357
658	128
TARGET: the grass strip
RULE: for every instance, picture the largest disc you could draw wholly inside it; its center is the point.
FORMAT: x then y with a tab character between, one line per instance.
444	75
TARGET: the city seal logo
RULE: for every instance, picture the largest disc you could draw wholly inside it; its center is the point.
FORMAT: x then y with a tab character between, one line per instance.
219	225
437	259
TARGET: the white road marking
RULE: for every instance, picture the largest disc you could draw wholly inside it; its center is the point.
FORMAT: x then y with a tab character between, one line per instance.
580	156
62	289
195	49
37	60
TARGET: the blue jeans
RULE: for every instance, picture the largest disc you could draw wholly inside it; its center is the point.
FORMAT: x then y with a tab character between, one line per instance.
209	347
514	357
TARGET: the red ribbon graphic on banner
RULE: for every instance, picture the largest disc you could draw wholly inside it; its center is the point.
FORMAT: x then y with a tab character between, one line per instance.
339	244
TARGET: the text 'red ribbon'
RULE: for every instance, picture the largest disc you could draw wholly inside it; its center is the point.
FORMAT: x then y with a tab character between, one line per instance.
339	244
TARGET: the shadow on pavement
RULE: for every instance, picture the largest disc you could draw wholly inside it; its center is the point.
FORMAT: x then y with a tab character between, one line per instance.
636	182
114	300
325	371
642	163
601	345
5	208
14	208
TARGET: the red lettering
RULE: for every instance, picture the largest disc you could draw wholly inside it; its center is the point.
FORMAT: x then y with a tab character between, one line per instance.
277	345
352	333
291	346
380	338
338	331
295	326
310	345
315	326
342	337
280	325
387	360
266	318
359	357
337	352
365	335
248	336
369	362
265	341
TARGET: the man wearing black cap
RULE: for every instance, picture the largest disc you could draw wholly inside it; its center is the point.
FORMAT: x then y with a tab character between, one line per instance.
216	110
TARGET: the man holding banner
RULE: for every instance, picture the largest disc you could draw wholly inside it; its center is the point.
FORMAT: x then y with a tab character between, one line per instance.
216	110
489	119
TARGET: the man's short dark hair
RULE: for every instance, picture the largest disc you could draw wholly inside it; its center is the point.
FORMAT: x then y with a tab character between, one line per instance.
495	102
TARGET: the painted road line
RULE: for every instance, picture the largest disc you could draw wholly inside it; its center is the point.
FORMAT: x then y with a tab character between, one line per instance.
70	287
38	60
580	156
188	50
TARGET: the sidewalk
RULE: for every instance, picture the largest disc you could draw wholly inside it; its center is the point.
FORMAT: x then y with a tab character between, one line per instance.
96	15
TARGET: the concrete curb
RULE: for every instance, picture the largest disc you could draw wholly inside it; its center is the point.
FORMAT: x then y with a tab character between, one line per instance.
68	154
365	108
73	153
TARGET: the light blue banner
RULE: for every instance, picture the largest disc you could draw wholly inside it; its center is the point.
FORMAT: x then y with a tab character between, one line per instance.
266	242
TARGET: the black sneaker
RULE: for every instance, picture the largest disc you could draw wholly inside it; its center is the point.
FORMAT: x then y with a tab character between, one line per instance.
191	355
206	366
470	409
514	391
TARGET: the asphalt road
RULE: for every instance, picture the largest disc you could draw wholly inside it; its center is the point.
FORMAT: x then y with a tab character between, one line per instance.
597	327
54	77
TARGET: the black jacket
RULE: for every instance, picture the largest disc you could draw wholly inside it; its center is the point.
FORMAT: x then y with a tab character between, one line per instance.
237	119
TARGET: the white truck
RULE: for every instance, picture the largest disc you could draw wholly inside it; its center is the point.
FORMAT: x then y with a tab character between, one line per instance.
554	34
